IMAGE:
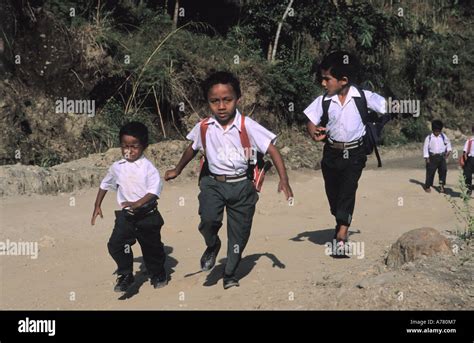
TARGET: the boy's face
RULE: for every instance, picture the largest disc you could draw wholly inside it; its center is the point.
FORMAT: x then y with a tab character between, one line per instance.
436	132
131	147
223	102
331	84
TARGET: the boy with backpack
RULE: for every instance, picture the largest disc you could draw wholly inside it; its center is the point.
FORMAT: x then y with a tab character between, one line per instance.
467	161
436	150
340	118
229	141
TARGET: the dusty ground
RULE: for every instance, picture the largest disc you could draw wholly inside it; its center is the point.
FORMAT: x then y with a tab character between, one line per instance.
284	265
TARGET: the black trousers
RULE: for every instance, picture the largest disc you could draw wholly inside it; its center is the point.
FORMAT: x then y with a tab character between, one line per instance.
147	231
341	171
468	171
239	199
436	163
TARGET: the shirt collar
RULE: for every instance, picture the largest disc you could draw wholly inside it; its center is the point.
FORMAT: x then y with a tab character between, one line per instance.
237	120
352	93
138	162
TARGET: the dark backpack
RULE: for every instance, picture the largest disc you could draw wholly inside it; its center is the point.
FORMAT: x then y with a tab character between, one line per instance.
372	121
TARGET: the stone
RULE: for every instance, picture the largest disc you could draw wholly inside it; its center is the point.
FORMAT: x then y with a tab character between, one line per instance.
417	244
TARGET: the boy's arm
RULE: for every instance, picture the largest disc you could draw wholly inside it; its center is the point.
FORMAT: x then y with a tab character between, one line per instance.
283	185
426	154
448	147
98	202
139	203
187	156
317	133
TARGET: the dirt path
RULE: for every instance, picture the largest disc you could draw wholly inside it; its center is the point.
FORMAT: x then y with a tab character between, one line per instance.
284	265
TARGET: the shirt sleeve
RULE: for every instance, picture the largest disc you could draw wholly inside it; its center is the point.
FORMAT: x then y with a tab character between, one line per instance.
153	181
465	146
109	182
376	102
195	136
448	144
425	148
314	111
259	136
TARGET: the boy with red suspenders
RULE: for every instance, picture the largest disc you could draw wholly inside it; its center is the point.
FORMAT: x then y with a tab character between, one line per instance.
229	141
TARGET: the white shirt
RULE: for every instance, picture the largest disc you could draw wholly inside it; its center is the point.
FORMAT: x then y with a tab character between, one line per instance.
224	151
344	121
436	145
470	152
132	180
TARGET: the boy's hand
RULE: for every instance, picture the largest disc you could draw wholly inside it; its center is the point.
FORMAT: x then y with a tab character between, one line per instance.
133	205
97	212
427	160
284	186
319	134
171	174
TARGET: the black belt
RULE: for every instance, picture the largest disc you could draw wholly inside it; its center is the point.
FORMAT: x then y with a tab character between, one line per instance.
440	154
345	145
229	178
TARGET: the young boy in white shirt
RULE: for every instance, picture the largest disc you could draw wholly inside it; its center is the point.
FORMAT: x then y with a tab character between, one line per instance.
138	187
436	150
468	161
228	183
343	130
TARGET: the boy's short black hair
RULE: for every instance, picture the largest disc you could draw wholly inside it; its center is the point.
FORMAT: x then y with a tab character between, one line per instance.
340	64
137	130
437	125
221	77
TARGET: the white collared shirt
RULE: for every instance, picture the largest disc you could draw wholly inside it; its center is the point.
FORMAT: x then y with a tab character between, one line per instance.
132	180
471	151
224	151
344	122
436	145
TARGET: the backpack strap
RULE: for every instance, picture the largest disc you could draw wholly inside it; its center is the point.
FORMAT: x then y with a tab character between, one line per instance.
361	104
325	117
203	127
244	138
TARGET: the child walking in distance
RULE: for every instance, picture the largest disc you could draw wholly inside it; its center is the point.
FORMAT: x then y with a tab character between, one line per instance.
435	152
334	117
228	182
138	187
468	161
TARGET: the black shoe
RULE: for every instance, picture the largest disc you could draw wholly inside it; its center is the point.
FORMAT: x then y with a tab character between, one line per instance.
124	282
159	281
341	250
441	189
208	259
230	281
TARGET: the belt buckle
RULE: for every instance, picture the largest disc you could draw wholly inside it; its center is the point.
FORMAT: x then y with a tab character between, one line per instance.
220	178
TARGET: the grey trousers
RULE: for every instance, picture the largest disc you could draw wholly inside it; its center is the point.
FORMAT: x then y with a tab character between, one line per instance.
239	199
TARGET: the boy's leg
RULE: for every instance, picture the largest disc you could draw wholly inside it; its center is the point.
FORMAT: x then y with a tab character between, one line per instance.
349	183
149	238
468	170
442	170
431	167
120	244
330	168
211	209
242	199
